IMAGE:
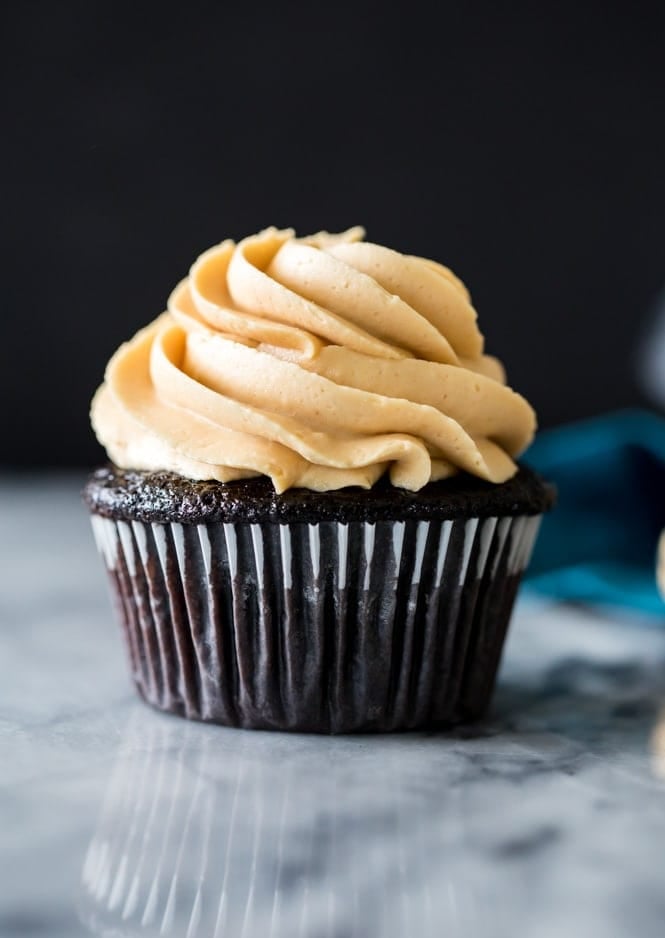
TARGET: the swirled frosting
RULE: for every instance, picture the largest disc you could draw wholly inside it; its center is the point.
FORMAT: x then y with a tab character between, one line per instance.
321	362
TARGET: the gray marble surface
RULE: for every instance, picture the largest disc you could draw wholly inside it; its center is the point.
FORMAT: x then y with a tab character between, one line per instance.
547	820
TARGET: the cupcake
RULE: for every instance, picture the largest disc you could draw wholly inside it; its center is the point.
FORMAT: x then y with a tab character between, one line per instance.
312	517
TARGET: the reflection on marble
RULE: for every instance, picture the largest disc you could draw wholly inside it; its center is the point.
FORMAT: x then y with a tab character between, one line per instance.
546	820
265	837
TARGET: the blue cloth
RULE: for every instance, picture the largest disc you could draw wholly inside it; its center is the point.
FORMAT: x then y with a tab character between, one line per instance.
599	543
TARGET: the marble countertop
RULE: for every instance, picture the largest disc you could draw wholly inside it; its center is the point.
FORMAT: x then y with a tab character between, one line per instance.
546	820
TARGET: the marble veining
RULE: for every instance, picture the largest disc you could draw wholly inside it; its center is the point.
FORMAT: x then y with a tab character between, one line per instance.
546	820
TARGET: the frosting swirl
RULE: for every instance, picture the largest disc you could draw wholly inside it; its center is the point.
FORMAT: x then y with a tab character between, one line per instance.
321	362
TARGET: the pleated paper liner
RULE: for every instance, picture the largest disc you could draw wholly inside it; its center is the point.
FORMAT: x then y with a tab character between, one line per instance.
327	627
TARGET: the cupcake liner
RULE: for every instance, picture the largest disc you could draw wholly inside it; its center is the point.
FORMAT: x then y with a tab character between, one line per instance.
326	627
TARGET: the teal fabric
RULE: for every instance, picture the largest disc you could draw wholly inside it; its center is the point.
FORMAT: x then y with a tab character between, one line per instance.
599	544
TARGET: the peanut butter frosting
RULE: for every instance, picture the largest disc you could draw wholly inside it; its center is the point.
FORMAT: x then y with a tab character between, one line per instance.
322	362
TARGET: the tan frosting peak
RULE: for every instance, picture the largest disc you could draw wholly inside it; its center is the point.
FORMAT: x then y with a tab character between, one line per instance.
321	362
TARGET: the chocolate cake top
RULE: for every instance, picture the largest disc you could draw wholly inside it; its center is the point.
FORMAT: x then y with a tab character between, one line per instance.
132	495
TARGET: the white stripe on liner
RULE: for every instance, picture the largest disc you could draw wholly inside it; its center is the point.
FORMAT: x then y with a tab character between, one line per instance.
159	534
528	540
108	541
421	539
231	548
502	529
444	540
112	542
516	543
141	538
259	558
342	554
179	541
285	544
100	537
315	549
470	529
369	536
206	547
127	541
487	529
398	544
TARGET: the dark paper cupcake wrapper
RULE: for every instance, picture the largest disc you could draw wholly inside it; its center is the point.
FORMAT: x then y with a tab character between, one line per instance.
324	627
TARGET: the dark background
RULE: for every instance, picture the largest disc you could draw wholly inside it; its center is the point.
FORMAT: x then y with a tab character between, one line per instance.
523	146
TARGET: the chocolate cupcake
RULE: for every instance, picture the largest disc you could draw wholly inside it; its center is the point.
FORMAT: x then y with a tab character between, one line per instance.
313	519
